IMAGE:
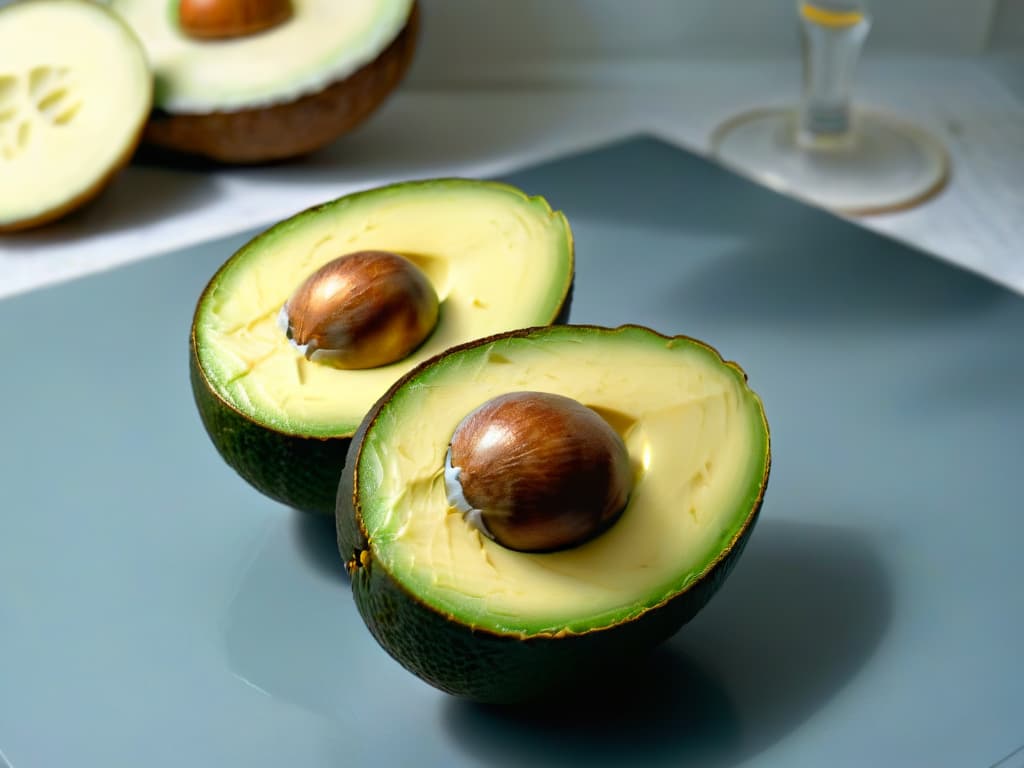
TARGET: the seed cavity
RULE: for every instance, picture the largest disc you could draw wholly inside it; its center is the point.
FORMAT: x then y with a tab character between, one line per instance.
619	421
42	79
68	114
38	79
57	103
52	97
435	268
8	88
48	101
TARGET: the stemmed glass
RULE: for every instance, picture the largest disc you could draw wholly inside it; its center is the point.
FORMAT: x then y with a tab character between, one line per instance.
852	161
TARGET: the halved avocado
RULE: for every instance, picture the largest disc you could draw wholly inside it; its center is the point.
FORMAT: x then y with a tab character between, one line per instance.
279	93
496	258
75	90
478	620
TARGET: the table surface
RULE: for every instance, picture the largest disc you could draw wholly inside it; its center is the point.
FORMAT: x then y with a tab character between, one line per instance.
974	104
157	611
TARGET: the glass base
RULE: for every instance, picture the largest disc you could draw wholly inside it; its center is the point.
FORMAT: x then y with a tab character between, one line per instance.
883	164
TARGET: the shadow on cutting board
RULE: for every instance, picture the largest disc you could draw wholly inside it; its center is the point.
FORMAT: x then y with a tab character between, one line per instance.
137	197
802	613
316	540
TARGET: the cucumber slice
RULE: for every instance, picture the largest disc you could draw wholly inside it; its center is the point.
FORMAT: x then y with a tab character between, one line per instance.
75	90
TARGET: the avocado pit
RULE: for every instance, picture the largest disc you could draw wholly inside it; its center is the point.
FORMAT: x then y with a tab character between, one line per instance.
227	19
361	310
537	472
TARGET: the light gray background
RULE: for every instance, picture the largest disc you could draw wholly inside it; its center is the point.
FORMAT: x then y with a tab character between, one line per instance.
471	39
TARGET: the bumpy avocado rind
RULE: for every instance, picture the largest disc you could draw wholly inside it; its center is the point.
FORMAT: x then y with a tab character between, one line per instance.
471	236
494	655
301	472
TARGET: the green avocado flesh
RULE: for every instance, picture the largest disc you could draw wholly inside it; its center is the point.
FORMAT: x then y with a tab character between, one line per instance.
324	41
698	443
496	258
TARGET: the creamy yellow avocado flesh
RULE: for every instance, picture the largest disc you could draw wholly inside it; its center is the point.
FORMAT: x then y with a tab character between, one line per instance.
696	437
324	41
75	90
497	259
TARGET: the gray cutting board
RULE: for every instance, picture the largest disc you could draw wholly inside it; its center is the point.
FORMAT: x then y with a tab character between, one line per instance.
156	611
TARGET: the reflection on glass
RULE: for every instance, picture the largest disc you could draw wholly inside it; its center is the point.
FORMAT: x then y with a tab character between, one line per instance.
848	160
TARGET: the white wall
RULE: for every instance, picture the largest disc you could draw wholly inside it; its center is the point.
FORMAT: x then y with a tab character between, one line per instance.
482	41
512	40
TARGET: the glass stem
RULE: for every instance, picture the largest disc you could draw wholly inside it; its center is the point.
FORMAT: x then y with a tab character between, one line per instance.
833	36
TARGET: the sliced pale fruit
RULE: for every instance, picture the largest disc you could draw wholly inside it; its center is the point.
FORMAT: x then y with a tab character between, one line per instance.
75	90
279	93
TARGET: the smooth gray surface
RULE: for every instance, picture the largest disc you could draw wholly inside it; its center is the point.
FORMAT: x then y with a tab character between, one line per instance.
156	611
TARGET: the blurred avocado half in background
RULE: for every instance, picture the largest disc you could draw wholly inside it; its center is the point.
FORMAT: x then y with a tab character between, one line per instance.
252	81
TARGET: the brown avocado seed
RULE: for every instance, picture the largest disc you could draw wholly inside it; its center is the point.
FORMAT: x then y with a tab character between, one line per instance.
361	310
537	472
225	19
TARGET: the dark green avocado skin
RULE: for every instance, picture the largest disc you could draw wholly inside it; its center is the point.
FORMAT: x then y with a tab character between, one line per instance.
481	665
490	668
301	472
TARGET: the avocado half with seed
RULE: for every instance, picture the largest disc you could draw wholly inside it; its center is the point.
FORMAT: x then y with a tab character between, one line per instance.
479	620
252	81
496	258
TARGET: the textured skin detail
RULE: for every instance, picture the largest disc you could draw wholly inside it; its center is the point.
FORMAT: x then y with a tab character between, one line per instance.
506	668
298	471
294	128
492	668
